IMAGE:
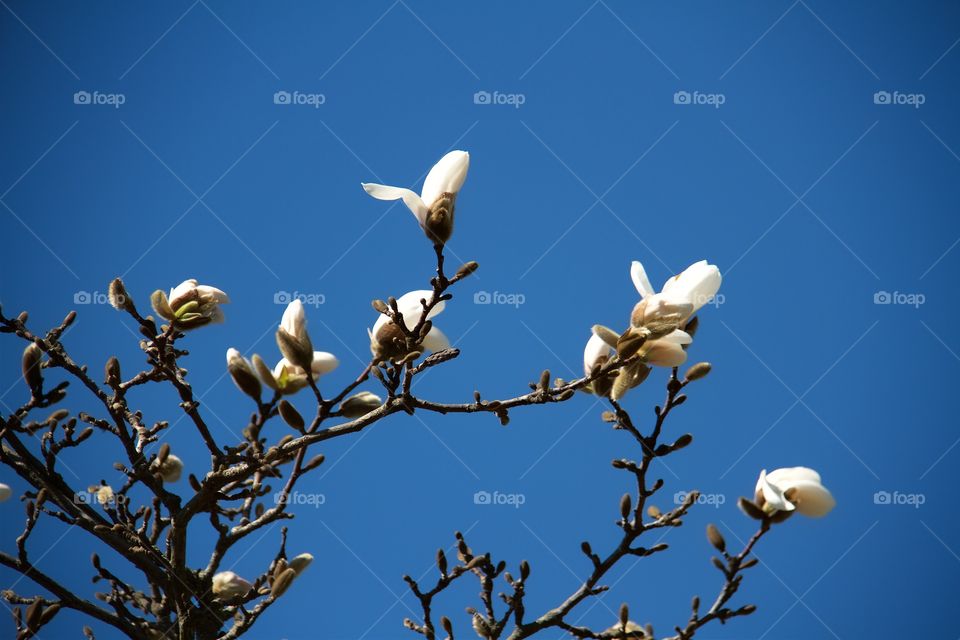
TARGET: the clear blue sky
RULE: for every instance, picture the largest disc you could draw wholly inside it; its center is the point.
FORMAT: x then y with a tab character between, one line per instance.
809	195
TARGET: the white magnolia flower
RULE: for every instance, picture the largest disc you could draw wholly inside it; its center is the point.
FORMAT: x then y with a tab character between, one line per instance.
387	339
227	585
208	300
681	296
5	492
290	378
433	208
793	488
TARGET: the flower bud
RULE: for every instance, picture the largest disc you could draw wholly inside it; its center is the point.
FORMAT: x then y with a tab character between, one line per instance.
242	373
31	362
282	582
227	585
697	371
112	371
292	336
5	492
438	223
118	296
715	538
466	269
170	468
290	415
360	404
301	562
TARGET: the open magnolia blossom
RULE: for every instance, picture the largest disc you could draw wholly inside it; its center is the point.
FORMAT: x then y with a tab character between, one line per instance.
227	585
288	378
5	492
793	488
434	206
681	296
194	304
387	340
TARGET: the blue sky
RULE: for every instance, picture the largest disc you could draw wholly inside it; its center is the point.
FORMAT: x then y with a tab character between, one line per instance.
808	149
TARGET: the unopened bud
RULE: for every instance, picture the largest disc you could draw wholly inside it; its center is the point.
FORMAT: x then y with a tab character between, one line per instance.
301	562
380	306
227	585
697	371
118	296
290	415
242	374
715	538
466	269
112	371
283	582
609	336
32	357
625	506
360	404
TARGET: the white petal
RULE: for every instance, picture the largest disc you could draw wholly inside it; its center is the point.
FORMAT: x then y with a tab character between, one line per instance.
446	176
664	353
411	199
678	337
215	294
787	476
183	288
773	495
640	279
411	309
696	285
323	363
294	319
813	499
233	355
435	340
596	348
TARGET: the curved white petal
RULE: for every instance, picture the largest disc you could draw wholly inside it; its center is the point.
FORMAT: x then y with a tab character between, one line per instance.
294	319
640	279
595	350
678	337
323	363
180	290
787	476
216	295
696	285
664	353
812	499
410	198
411	309
446	176
435	340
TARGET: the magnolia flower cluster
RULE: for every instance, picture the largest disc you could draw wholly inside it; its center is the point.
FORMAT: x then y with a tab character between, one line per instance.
290	374
656	333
